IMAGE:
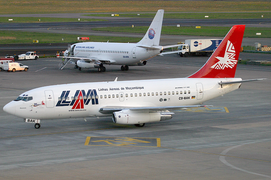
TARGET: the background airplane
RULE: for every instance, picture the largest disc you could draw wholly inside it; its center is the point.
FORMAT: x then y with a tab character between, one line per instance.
97	54
140	101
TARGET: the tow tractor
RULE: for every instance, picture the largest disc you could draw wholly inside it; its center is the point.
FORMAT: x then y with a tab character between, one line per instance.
27	55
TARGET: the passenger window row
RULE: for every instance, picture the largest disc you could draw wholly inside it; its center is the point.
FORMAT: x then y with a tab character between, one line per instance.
105	51
144	94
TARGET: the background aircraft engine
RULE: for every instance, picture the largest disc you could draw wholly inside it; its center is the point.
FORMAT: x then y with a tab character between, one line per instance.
139	117
143	63
84	64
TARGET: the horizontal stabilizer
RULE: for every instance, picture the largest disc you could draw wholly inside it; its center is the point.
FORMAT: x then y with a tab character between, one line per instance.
170	52
171	46
242	81
151	47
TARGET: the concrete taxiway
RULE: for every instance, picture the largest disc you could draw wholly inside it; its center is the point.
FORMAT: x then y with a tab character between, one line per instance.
234	145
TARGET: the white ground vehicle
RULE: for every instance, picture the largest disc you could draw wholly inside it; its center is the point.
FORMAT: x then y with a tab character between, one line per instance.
27	55
2	62
198	47
15	66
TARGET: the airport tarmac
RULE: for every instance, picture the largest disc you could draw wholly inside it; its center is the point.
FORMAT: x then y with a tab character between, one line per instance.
234	145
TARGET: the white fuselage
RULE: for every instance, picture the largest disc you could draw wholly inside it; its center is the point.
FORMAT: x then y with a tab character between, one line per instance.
86	99
114	53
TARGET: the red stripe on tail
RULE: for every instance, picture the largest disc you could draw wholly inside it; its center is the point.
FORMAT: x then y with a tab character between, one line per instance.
223	62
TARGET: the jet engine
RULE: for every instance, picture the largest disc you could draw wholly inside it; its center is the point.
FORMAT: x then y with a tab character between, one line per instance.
85	64
139	117
143	63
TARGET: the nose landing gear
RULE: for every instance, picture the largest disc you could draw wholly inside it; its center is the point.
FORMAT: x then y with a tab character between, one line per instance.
36	121
37	125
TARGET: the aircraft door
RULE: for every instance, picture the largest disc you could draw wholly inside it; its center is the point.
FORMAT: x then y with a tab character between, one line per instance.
134	52
49	99
199	91
72	51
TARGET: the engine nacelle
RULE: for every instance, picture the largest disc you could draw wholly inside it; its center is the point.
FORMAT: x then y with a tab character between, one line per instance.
139	117
84	64
143	63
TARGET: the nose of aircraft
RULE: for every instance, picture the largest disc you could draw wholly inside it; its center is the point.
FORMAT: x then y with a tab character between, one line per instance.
10	108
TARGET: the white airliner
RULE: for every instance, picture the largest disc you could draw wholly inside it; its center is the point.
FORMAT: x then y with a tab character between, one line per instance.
97	54
136	102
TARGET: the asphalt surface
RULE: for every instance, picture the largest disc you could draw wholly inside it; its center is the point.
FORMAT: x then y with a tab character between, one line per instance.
234	145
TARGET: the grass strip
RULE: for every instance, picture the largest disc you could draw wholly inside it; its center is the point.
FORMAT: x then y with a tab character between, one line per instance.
214	31
19	37
117	6
183	15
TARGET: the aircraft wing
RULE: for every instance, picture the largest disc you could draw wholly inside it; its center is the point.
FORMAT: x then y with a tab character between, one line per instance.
166	109
88	59
74	59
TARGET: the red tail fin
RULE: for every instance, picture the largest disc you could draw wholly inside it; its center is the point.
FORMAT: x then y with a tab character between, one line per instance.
223	62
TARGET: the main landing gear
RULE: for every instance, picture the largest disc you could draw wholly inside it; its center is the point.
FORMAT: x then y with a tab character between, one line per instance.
124	68
101	68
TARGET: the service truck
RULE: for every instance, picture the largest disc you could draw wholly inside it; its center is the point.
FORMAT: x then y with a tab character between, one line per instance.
27	55
15	66
198	47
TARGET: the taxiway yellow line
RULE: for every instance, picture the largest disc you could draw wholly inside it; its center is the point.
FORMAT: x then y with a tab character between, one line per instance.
87	141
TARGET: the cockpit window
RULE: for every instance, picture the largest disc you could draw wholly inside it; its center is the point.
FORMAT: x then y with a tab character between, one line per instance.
24	98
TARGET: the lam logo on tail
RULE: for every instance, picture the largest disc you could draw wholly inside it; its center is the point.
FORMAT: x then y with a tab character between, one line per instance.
228	61
223	62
